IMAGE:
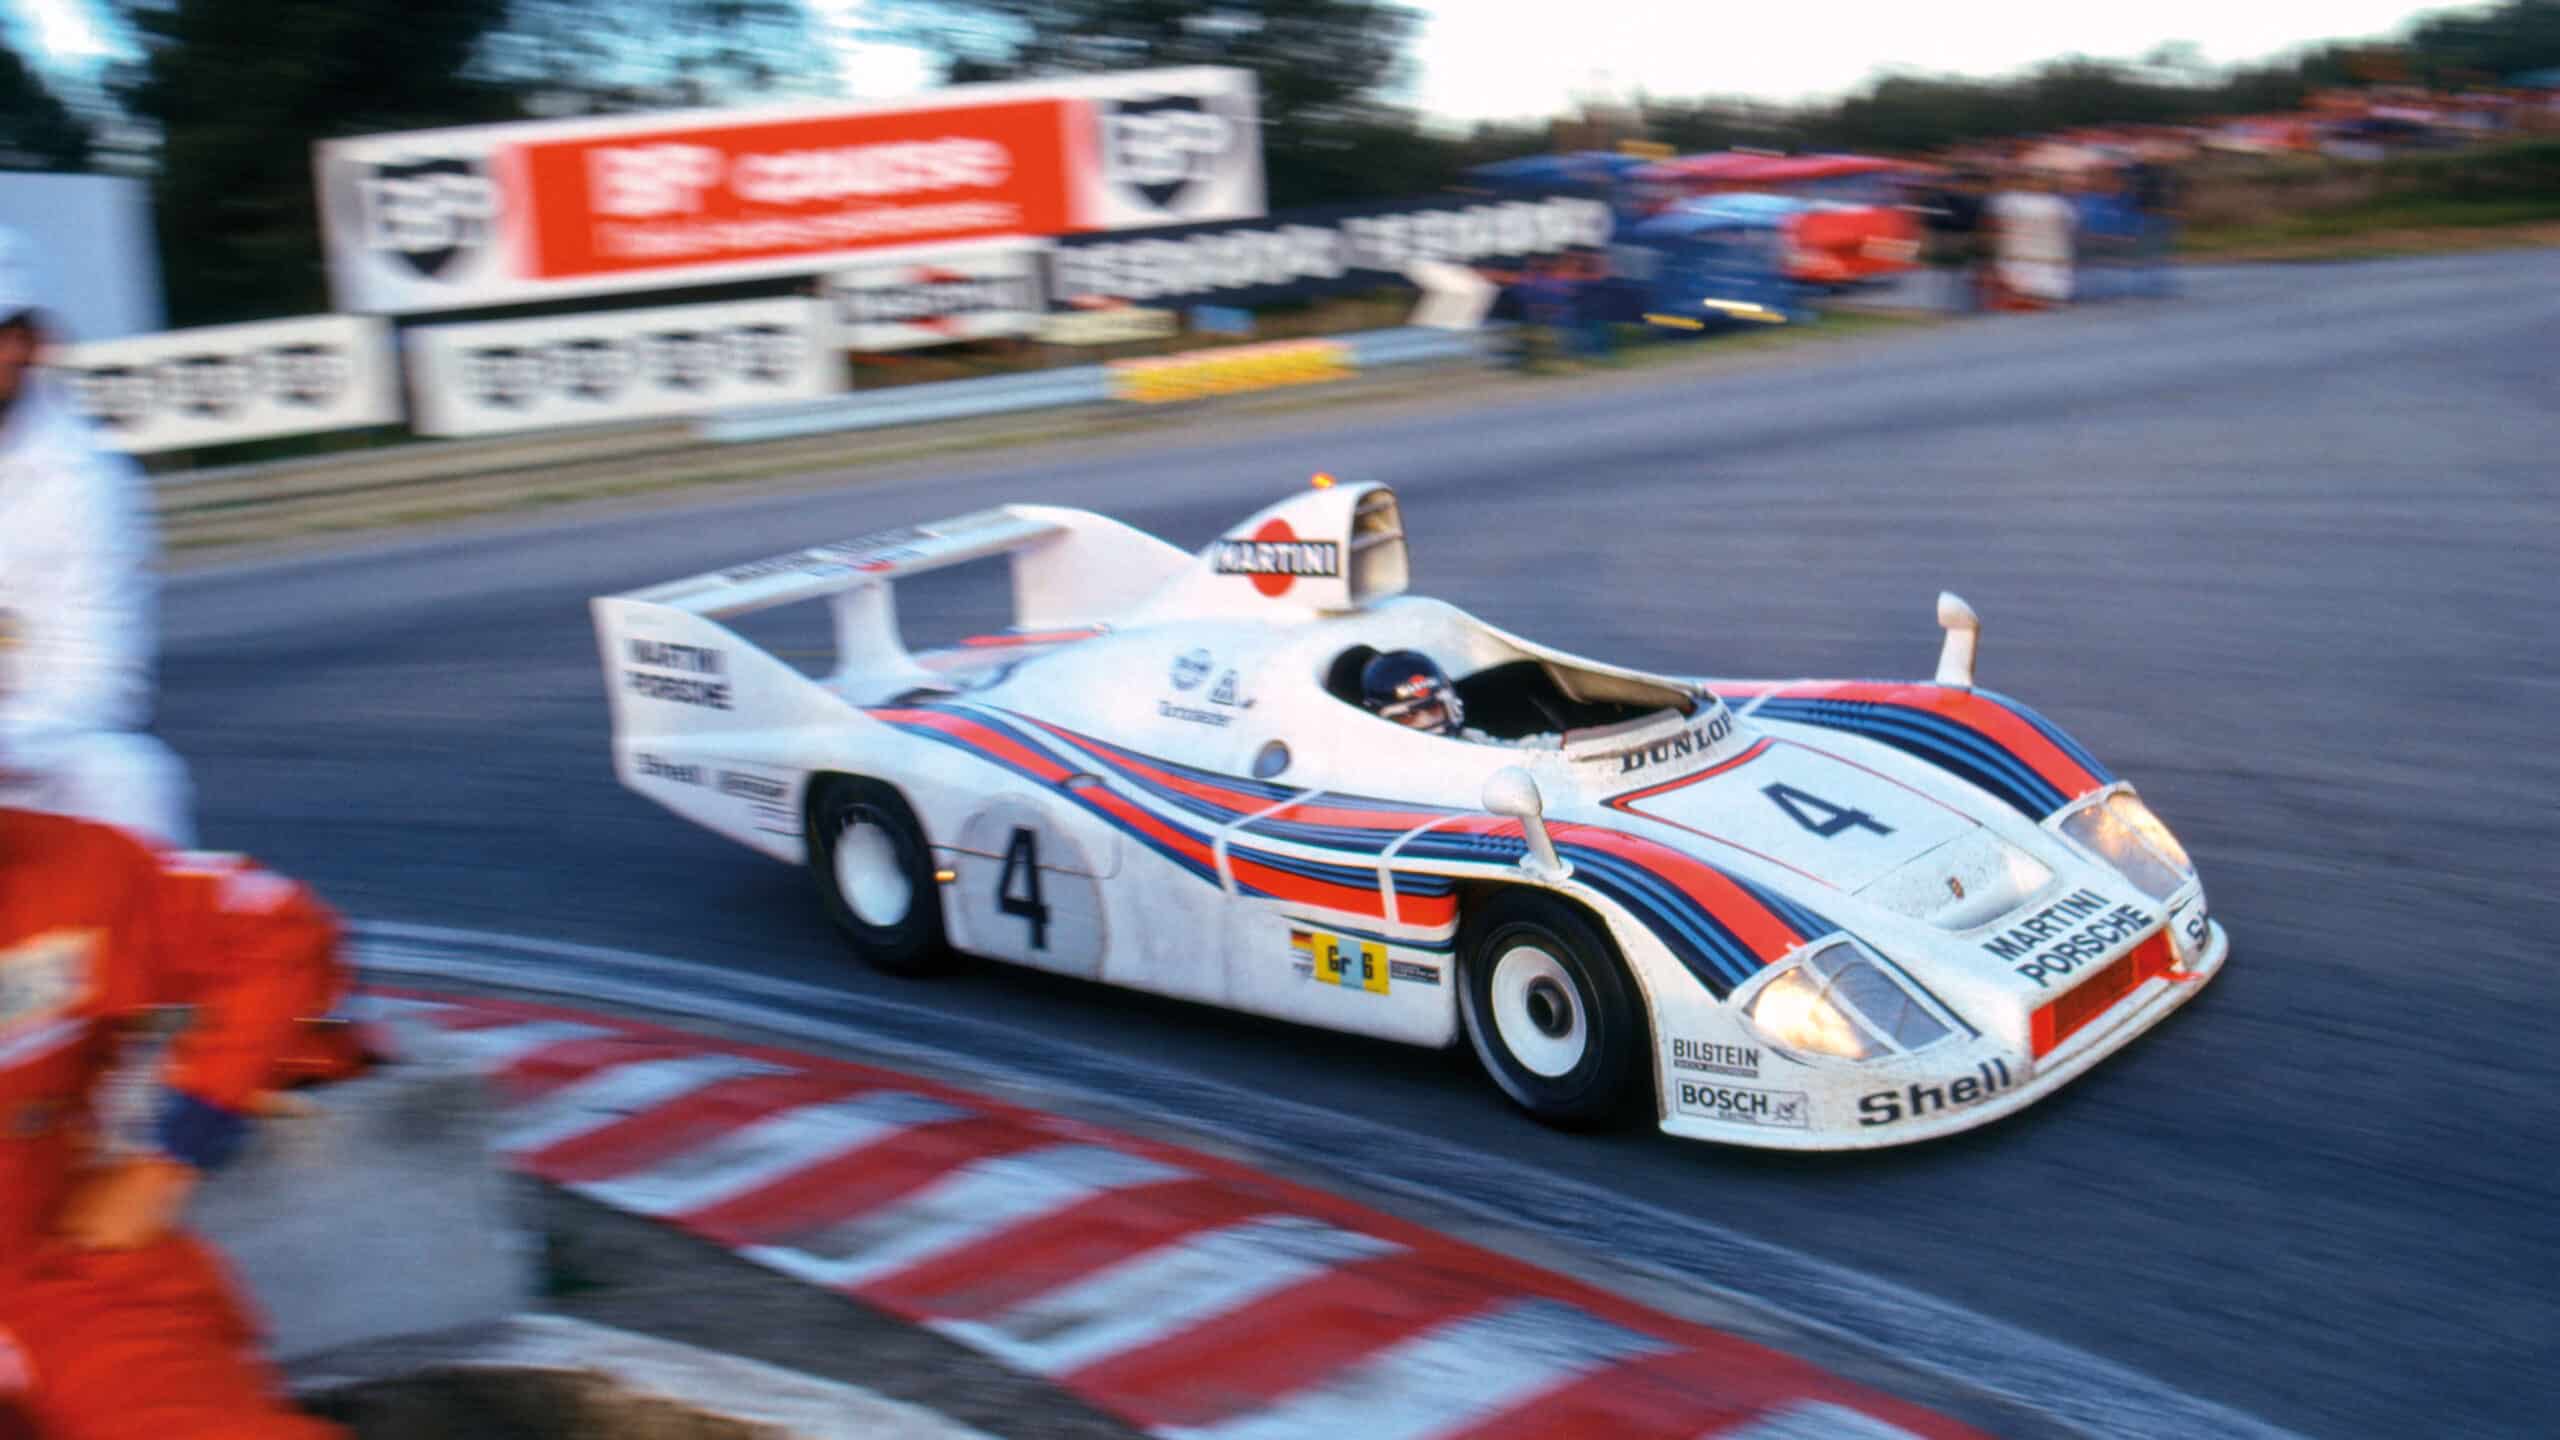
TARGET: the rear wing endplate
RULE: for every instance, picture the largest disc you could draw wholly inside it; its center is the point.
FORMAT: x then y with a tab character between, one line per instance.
823	570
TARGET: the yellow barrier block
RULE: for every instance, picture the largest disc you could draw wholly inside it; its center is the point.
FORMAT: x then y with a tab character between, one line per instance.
1231	370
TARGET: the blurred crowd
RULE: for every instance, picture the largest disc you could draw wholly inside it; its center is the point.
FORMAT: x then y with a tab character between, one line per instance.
2052	226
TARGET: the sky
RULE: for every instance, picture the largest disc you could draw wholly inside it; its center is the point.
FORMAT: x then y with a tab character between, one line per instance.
1504	59
1495	59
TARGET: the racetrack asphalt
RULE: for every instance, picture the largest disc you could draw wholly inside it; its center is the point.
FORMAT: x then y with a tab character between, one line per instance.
2282	551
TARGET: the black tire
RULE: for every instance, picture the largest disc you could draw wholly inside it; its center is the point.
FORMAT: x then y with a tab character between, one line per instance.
1587	976
844	807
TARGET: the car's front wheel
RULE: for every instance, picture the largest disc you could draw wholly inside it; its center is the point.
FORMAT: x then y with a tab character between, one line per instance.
874	874
1550	1009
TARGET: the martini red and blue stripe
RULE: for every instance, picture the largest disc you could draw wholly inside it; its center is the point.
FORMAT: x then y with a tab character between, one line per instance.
1987	739
1723	929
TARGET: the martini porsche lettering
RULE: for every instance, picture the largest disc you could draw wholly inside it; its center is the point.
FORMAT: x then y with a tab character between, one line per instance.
2022	938
2047	946
1696	740
1716	1057
1885	1107
700	684
1316	559
1743	1104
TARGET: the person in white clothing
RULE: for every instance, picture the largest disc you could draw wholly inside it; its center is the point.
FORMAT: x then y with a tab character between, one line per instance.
2035	228
77	601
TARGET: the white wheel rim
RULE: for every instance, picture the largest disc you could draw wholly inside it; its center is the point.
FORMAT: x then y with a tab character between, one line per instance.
874	885
1538	1013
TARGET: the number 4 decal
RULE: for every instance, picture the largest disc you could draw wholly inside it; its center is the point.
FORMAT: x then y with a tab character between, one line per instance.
1819	815
1022	857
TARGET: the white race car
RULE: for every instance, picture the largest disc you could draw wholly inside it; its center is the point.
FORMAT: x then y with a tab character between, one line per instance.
1803	915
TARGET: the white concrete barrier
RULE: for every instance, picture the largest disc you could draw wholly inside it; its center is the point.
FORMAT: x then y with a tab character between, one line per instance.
383	1213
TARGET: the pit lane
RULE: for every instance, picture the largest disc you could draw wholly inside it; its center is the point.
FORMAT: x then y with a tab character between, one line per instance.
2281	553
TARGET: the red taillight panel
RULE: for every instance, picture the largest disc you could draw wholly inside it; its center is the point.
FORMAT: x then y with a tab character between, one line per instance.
2093	997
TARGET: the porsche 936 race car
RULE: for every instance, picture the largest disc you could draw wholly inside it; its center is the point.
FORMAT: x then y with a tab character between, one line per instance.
1798	914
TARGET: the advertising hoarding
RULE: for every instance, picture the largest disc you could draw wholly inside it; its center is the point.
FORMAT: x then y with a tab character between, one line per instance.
485	379
503	214
938	299
1318	250
225	383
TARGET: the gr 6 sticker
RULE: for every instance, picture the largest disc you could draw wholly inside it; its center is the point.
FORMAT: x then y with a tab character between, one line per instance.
1335	960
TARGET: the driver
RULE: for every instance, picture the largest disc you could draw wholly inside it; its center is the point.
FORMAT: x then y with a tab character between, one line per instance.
1406	687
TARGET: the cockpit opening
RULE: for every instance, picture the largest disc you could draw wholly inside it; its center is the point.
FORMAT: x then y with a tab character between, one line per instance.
1519	699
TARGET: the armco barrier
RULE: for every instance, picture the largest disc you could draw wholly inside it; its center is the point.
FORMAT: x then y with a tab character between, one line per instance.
910	405
1038	390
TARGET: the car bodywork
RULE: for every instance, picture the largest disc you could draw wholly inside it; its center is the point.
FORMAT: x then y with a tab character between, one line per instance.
1154	779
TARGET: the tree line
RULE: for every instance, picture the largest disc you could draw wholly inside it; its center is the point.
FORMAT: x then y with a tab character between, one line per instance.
227	96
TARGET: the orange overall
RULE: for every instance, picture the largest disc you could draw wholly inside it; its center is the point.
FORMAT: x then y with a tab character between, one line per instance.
95	927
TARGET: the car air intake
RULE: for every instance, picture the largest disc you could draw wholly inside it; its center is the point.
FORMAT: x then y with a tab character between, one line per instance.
2075	1008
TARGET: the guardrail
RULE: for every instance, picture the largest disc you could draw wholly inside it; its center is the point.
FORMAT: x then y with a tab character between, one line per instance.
367	488
909	405
1039	390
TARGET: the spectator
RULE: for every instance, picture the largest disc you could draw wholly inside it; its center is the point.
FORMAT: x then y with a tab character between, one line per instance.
2151	188
1953	213
76	600
2033	227
1591	297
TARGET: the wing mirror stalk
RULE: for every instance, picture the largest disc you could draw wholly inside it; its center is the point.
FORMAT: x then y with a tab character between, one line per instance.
1964	636
1513	794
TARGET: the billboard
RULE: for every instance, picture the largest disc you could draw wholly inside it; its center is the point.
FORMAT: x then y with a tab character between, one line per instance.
505	214
1324	248
224	383
938	299
619	365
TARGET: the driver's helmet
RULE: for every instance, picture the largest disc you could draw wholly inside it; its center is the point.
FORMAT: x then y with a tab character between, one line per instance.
1406	687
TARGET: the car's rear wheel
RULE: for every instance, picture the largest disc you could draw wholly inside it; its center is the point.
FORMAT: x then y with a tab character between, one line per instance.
1549	1009
874	873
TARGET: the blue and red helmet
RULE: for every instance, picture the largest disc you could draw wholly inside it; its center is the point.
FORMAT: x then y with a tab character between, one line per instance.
1406	687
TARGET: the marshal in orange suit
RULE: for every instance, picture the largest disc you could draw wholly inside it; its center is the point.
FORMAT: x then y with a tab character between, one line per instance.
113	1321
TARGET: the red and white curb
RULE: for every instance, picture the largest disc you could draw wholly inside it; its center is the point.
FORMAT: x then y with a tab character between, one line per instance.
1188	1294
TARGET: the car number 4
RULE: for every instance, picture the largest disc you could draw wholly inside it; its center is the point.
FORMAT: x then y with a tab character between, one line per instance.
1018	885
1819	815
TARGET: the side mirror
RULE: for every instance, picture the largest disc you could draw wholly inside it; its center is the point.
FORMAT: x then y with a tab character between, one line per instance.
1964	635
1512	794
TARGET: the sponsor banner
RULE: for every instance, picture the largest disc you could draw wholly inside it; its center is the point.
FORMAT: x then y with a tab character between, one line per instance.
1230	369
1327	248
1116	325
234	382
938	300
500	214
619	365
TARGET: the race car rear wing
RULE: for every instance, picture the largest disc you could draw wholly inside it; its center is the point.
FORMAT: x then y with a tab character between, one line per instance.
823	570
1070	569
1069	566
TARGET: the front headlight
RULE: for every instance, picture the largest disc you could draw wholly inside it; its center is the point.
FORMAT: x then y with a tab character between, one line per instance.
2122	831
1838	1001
